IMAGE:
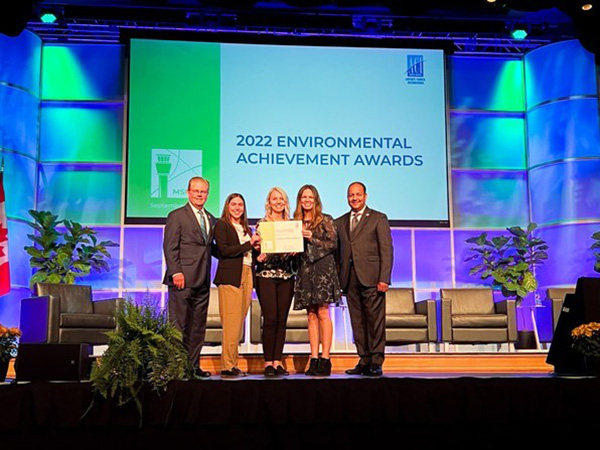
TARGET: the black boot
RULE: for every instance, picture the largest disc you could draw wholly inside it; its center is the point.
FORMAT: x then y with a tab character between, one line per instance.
324	367
313	367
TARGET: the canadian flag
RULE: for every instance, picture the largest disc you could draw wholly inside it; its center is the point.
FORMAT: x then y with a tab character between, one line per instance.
4	272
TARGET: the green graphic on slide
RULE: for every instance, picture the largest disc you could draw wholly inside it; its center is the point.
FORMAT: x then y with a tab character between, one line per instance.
174	131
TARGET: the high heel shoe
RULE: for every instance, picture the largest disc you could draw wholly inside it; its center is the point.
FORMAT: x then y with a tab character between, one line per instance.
313	367
324	367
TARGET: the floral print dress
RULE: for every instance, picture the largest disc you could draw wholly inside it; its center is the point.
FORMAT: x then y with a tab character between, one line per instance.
317	279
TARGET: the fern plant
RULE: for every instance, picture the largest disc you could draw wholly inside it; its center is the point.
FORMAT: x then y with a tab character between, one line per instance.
62	257
145	347
509	260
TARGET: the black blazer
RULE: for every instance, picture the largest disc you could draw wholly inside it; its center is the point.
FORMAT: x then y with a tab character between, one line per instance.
185	249
230	254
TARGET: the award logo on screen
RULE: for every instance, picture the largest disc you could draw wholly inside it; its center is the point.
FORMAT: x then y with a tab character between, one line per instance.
415	69
171	170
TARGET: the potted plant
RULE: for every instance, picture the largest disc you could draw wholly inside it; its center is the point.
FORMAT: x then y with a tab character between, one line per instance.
61	257
145	349
510	261
586	340
8	348
596	245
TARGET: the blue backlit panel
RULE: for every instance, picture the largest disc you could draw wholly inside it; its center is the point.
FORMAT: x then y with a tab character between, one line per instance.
489	199
20	59
433	259
10	306
110	279
559	70
143	258
82	72
566	129
19	182
487	141
85	132
492	84
569	254
402	269
566	191
19	117
143	297
18	258
86	193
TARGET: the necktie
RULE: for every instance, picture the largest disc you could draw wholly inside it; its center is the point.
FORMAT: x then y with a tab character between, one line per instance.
202	224
354	222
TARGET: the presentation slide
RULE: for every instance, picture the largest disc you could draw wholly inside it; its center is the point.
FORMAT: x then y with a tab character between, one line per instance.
250	116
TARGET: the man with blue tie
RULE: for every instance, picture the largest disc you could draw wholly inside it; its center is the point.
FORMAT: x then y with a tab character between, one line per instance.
365	257
187	250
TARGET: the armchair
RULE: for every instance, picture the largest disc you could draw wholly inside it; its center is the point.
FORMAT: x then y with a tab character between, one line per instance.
471	316
407	321
64	313
554	299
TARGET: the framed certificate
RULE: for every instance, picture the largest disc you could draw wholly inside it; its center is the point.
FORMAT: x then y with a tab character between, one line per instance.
281	236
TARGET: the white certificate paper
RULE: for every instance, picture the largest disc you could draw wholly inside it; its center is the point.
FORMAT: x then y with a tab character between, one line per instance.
281	236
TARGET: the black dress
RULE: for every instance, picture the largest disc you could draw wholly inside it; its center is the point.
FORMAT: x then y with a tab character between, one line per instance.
317	279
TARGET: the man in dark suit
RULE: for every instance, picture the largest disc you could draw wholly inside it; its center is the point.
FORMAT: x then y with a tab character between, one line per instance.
365	257
187	249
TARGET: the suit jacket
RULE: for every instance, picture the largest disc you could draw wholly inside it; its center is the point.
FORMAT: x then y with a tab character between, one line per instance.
230	254
369	249
185	249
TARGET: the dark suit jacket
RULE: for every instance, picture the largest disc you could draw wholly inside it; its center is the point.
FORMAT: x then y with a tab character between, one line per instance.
370	248
230	254
185	249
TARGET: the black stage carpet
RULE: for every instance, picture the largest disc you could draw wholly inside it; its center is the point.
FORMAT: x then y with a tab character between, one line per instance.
303	413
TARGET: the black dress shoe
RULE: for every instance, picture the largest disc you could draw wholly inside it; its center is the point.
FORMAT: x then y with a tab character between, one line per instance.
281	371
199	373
359	369
232	373
376	371
270	371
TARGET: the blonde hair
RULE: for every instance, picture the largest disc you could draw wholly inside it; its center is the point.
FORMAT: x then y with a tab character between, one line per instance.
317	209
269	210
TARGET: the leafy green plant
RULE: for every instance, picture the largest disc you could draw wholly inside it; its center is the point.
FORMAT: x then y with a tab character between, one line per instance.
509	260
595	245
61	257
145	347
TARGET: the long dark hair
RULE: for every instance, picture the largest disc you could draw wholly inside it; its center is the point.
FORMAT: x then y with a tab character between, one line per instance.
226	216
317	209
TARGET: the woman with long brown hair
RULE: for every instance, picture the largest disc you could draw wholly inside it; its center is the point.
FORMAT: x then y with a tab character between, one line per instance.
235	241
275	276
317	284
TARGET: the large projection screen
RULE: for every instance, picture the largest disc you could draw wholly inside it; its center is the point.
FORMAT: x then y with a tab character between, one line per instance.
252	116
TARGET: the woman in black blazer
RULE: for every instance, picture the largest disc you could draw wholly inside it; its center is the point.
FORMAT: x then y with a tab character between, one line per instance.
234	241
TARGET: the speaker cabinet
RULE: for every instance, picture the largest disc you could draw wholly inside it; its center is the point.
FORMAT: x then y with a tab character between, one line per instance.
60	362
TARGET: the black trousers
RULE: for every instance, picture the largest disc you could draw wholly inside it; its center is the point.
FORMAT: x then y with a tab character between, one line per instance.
367	315
275	297
188	309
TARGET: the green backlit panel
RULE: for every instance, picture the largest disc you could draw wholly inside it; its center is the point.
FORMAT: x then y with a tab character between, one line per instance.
83	192
489	199
81	132
82	72
487	141
492	84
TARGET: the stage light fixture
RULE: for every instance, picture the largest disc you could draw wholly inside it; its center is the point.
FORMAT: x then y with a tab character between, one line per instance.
48	17
586	6
518	33
491	1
